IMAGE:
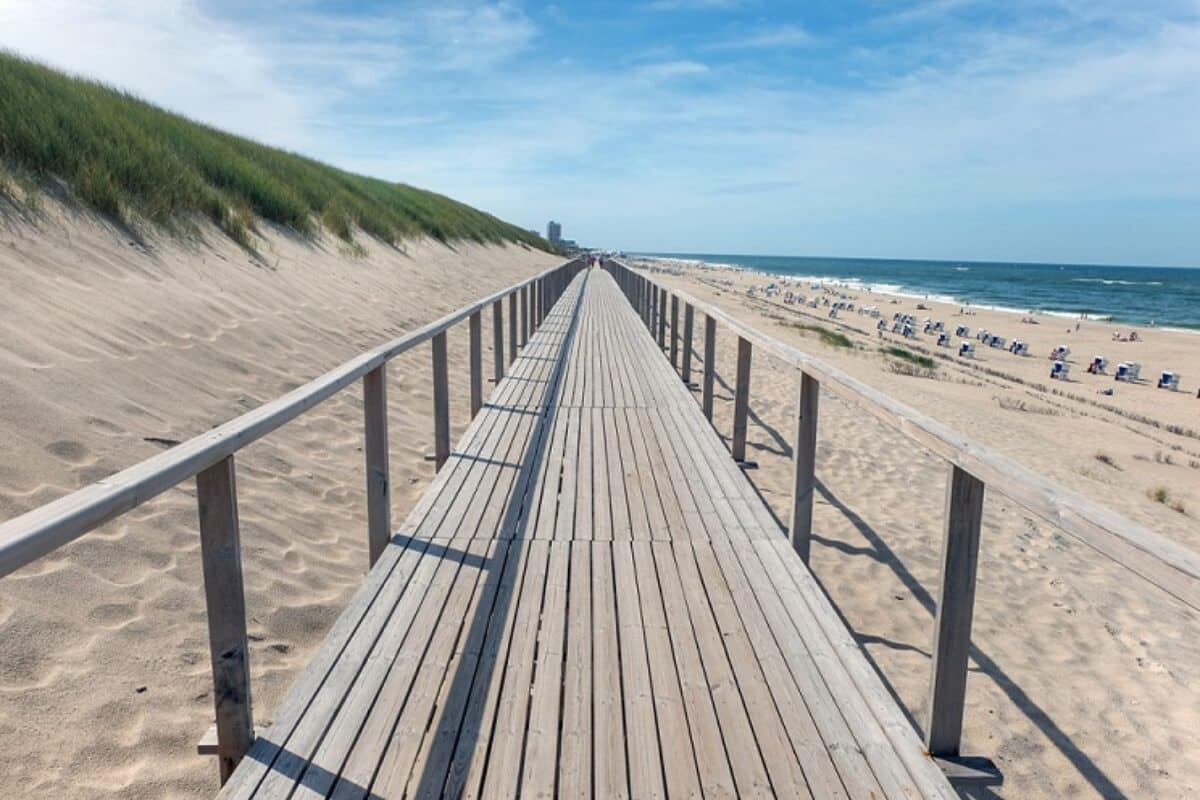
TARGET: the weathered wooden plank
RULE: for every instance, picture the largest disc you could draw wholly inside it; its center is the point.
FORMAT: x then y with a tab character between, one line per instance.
225	601
741	400
804	461
675	331
375	449
475	362
512	327
498	341
689	314
955	608
441	401
710	366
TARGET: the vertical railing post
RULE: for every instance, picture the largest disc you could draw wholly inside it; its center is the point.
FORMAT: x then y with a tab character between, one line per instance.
225	600
523	302
375	448
512	326
662	318
710	365
475	334
441	401
675	331
955	608
804	459
498	340
689	313
741	400
653	316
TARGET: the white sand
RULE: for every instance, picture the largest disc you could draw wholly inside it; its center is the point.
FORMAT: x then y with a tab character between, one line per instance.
104	669
1084	677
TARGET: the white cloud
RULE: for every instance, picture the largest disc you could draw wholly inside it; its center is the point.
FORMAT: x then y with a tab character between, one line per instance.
780	36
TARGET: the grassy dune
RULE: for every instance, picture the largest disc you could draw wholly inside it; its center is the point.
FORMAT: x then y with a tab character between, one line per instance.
131	160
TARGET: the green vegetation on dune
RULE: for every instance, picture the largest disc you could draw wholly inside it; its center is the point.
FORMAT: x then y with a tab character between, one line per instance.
129	159
909	356
831	338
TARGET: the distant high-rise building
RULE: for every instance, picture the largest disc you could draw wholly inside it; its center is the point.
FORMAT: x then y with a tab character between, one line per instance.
554	232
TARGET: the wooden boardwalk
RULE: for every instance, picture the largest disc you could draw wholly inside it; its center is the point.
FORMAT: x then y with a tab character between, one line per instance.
589	600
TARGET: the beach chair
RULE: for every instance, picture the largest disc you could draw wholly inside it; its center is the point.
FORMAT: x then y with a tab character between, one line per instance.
943	340
997	341
966	349
1169	380
962	331
1060	353
1127	372
909	331
1099	364
1021	348
1060	371
928	329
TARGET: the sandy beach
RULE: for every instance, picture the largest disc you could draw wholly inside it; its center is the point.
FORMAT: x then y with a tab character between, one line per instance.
1082	675
112	348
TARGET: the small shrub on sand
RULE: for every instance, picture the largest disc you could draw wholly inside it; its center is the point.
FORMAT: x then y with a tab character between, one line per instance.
907	355
1107	460
831	338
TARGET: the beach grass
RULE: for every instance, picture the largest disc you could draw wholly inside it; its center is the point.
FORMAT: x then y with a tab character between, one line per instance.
831	338
133	161
905	354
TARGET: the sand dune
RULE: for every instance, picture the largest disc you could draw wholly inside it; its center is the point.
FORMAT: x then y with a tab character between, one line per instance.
112	348
1083	676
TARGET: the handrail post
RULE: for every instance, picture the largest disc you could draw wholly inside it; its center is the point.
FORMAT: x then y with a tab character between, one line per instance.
955	608
441	401
675	331
375	448
225	600
512	326
741	399
804	459
662	318
653	315
498	340
523	303
475	334
710	365
689	313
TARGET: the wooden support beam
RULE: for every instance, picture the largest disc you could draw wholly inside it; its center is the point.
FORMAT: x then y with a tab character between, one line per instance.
804	460
710	365
375	448
955	608
675	331
224	596
689	313
662	318
741	399
441	401
498	340
475	333
523	303
652	321
512	326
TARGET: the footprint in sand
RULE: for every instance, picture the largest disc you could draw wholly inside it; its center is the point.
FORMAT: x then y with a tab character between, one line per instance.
70	451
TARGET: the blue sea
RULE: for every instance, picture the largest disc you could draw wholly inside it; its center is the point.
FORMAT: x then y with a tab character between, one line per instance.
1168	297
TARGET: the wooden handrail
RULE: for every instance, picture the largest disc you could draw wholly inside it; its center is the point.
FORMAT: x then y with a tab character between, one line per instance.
209	457
1169	565
32	535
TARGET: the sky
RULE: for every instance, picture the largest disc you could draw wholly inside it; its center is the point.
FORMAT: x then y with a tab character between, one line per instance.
1025	130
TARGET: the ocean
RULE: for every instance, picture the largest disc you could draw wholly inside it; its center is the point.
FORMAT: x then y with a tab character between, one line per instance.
1166	297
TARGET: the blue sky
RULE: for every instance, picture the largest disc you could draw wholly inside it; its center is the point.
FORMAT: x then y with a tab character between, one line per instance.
1036	130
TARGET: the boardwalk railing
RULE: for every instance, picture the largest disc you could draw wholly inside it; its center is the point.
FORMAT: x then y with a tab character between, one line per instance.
209	458
1168	565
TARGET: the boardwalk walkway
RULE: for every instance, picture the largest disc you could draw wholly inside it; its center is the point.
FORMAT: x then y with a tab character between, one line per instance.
590	600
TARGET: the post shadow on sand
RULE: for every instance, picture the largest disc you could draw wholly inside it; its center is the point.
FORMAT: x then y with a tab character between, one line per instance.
881	552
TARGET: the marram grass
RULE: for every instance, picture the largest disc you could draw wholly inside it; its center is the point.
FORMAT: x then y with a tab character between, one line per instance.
131	160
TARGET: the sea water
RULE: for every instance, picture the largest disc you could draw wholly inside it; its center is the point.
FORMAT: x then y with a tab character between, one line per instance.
1167	297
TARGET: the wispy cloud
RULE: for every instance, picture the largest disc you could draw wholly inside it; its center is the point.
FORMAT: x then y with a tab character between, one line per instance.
766	38
950	137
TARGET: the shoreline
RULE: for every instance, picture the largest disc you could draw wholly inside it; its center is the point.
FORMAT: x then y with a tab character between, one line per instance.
893	290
